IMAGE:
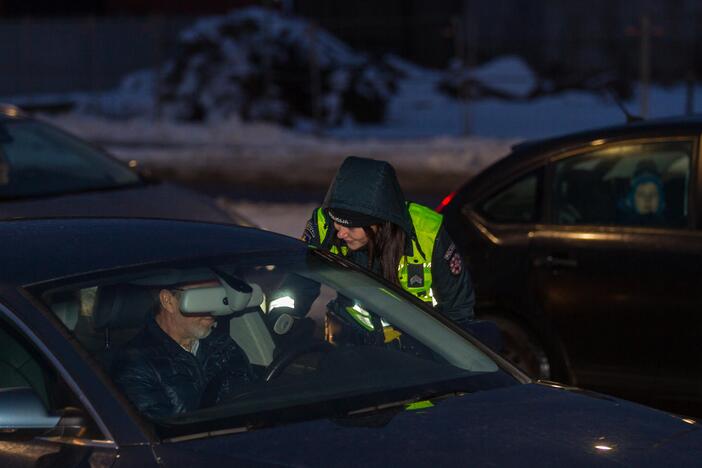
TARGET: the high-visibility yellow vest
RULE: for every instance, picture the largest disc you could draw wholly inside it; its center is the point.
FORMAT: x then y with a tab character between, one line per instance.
414	272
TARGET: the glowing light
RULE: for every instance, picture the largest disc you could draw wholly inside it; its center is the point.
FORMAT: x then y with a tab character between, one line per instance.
285	301
445	201
597	142
689	421
604	448
133	163
361	315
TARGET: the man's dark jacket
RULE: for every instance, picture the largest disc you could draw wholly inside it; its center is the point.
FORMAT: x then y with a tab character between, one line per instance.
162	379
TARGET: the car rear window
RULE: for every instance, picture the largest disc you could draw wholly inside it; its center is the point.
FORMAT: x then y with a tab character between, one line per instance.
37	159
516	203
626	184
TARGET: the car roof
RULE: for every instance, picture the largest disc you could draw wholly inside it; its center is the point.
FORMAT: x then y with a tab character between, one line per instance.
640	128
44	249
9	111
528	153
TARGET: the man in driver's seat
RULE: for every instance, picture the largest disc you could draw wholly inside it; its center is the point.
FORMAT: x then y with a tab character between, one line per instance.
176	364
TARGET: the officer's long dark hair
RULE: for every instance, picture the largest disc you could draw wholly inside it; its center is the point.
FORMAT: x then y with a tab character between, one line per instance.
386	245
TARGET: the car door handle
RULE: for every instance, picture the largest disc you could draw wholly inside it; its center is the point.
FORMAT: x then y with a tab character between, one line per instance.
555	261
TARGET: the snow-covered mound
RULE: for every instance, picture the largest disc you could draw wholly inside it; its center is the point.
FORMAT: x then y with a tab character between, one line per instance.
261	65
506	77
133	97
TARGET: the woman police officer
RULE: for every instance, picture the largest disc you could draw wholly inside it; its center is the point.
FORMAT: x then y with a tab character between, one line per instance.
366	219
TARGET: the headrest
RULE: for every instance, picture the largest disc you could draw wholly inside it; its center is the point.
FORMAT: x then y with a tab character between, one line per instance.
67	312
122	306
66	306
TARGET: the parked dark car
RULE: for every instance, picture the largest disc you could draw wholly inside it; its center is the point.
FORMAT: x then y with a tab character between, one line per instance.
45	171
587	251
73	292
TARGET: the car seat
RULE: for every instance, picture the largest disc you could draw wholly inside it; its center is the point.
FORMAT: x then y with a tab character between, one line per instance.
120	312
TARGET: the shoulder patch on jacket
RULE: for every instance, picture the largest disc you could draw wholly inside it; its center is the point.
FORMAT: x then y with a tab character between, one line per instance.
309	233
450	251
454	260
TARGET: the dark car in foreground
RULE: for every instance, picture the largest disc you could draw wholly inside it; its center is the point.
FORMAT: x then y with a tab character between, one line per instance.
74	291
45	171
587	252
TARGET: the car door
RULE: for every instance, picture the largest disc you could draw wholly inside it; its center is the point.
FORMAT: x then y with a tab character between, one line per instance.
495	236
616	267
43	422
76	419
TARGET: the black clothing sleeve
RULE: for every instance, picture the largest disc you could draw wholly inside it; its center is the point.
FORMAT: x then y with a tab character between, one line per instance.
451	282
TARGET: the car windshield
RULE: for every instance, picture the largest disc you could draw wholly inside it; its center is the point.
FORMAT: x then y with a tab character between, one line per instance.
37	159
299	332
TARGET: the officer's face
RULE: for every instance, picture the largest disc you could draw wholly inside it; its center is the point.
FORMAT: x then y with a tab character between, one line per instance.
355	238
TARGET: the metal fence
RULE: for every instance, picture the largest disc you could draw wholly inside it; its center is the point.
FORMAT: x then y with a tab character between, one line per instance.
81	54
91	54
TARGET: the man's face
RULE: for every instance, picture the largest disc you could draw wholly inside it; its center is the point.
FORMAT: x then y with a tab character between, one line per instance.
355	238
190	327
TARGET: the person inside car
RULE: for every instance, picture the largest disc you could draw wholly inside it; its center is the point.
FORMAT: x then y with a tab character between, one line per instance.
644	203
176	364
366	219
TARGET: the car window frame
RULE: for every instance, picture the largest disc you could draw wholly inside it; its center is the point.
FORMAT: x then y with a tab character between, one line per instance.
157	433
599	144
8	314
472	209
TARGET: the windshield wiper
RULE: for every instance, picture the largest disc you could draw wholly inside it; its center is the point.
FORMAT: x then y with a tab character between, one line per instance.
383	407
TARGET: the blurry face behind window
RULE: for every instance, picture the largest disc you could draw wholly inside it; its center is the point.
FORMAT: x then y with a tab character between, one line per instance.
308	331
625	184
646	198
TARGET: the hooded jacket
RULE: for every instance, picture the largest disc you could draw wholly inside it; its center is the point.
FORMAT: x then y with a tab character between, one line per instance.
370	187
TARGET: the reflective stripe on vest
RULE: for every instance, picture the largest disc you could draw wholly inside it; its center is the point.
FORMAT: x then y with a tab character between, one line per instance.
414	272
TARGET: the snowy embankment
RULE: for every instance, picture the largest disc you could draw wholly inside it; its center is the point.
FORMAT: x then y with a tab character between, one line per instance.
269	155
183	120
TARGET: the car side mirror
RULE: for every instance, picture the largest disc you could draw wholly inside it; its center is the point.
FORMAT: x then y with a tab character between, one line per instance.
23	414
21	410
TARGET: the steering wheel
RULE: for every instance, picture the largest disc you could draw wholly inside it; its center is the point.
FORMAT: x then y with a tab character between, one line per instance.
283	360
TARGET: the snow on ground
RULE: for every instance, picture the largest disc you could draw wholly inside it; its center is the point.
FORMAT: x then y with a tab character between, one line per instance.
422	137
266	154
435	142
510	75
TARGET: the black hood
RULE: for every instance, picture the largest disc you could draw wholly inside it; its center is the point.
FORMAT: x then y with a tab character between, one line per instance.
370	187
